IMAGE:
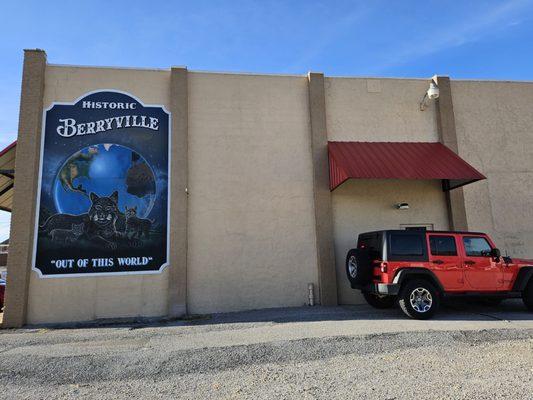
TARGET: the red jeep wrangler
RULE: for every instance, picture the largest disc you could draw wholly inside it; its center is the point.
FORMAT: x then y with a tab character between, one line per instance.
417	268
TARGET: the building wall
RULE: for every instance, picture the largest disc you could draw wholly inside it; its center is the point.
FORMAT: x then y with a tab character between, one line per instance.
251	222
88	298
251	219
494	126
379	110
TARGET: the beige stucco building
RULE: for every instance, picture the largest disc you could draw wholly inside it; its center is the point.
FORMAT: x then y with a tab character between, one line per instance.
252	218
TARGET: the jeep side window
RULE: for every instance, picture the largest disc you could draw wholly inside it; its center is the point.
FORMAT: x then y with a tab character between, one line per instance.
476	246
406	245
442	245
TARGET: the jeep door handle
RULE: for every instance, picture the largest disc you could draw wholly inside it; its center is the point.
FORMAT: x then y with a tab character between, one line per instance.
437	262
469	262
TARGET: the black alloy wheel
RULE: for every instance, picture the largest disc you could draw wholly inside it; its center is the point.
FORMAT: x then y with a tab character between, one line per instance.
419	299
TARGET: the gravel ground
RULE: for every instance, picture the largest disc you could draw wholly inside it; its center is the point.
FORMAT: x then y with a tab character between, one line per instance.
300	353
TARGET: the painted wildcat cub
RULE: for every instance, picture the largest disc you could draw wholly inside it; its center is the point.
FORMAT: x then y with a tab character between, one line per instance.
135	226
67	235
62	221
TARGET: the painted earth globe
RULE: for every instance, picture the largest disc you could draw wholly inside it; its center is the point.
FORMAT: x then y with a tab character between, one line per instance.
103	169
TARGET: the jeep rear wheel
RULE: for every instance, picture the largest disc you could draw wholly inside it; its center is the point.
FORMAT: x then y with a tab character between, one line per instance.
358	267
527	295
419	299
351	266
380	302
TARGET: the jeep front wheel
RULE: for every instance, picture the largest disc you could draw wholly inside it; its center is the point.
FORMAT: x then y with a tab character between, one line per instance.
419	299
380	302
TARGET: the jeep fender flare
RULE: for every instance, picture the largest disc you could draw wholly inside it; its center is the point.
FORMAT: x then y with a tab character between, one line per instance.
525	274
407	273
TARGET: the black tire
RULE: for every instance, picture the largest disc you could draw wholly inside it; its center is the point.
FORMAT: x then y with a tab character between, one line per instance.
527	295
427	294
491	301
358	267
380	302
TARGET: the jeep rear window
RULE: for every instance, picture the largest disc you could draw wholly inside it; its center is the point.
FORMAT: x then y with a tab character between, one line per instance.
372	242
442	245
406	245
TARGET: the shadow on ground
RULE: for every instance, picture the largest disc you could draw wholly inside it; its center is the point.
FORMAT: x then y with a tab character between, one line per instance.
451	310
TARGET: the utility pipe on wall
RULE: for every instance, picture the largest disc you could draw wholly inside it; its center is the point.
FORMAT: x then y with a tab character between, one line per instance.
311	289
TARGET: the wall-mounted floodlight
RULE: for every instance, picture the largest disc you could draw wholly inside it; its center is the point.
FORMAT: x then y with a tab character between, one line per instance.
431	94
402	206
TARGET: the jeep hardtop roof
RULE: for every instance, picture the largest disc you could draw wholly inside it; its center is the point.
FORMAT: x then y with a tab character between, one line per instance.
424	231
400	244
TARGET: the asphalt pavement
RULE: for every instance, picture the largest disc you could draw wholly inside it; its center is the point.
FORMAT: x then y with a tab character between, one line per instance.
468	351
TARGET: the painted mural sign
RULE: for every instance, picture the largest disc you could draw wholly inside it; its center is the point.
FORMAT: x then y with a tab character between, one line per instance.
103	197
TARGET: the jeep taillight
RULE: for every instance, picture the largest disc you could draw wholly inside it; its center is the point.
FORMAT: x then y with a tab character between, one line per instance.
383	267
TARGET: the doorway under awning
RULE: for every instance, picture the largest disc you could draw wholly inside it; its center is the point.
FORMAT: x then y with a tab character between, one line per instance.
398	160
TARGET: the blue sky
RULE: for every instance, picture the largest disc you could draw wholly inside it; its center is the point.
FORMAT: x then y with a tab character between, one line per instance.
462	39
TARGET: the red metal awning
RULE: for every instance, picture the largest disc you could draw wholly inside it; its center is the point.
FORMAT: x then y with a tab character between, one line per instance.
398	160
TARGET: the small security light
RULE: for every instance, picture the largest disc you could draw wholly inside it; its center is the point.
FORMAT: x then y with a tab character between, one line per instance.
431	94
433	91
402	206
